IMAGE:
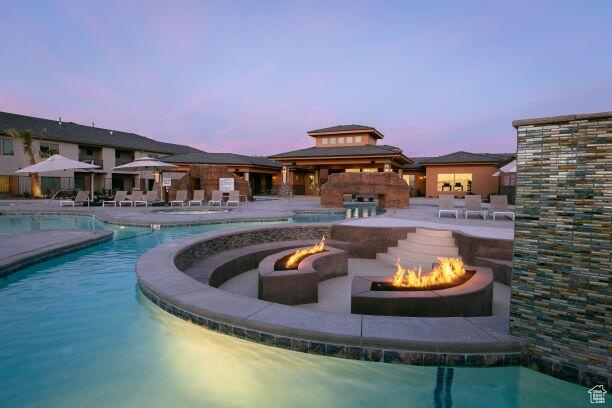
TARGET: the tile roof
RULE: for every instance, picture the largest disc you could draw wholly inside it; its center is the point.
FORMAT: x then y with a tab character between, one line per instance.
88	135
467	157
222	158
417	163
362	150
342	128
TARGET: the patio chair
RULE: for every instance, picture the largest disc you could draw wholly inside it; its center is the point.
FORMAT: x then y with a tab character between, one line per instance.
446	204
499	206
198	198
81	197
120	196
181	197
128	199
234	198
473	205
217	198
150	197
136	198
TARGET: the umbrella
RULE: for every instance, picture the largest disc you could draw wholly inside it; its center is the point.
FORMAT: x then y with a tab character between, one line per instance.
147	163
508	168
58	162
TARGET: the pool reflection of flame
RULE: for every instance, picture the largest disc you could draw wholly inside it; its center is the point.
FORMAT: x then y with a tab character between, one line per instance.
447	271
298	255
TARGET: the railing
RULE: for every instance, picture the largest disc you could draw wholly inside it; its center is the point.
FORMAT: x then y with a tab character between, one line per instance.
120	162
97	162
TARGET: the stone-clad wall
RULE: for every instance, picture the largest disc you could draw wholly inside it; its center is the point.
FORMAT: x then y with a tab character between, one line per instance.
562	265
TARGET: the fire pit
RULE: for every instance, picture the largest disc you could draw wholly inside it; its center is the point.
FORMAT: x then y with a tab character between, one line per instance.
450	289
291	277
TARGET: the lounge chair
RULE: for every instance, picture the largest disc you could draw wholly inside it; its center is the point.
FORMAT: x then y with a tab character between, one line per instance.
217	198
181	197
234	198
81	197
120	196
150	197
446	204
128	199
473	205
136	198
499	206
198	198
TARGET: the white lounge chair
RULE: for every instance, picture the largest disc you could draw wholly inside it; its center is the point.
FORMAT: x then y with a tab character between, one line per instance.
217	198
234	198
81	197
150	197
198	198
181	197
446	204
136	198
128	199
499	206
120	196
473	205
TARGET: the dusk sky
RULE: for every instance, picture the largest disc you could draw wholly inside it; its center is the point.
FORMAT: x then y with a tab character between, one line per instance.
253	77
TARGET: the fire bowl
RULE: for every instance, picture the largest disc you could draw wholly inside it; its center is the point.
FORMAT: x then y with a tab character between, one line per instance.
299	286
473	297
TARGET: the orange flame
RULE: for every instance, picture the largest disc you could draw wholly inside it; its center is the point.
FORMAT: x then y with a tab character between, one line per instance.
447	271
299	254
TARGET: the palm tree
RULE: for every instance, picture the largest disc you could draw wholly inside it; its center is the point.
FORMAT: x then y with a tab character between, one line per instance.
28	148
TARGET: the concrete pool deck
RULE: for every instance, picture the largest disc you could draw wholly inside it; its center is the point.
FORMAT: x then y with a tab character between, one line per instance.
421	213
20	250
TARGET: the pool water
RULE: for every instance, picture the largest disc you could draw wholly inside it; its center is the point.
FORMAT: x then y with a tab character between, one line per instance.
77	332
350	212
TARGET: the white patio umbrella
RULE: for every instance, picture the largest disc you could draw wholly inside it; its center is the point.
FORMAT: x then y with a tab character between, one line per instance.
58	162
508	168
147	163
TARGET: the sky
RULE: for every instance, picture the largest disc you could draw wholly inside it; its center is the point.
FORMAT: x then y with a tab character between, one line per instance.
253	77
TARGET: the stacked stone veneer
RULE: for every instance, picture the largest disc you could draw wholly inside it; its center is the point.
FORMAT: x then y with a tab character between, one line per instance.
232	240
561	279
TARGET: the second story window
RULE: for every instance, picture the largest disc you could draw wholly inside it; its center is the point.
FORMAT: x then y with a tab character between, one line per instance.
48	149
357	139
324	140
6	147
332	140
341	140
349	139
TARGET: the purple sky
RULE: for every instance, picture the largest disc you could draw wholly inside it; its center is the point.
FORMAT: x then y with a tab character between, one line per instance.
252	77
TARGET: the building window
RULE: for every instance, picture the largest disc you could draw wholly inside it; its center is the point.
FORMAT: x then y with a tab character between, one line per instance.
349	139
48	149
357	139
341	140
6	147
370	170
324	140
455	182
352	170
332	140
117	154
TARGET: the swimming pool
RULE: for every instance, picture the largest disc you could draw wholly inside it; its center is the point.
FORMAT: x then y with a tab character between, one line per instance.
76	331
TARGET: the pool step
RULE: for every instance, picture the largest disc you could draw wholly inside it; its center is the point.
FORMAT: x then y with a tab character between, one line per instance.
422	247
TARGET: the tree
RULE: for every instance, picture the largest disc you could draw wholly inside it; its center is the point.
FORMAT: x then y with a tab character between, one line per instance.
28	148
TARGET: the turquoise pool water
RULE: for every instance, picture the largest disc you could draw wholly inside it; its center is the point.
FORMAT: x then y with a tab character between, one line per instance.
350	212
76	331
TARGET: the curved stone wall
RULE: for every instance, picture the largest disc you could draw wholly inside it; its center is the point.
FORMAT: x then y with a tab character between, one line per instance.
478	341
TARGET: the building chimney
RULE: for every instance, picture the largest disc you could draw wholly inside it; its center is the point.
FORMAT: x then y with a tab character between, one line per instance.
60	122
93	124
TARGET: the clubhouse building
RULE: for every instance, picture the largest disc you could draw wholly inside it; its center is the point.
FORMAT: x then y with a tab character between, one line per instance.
355	148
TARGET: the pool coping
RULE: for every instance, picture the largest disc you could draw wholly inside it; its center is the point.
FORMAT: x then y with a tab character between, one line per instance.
22	260
451	341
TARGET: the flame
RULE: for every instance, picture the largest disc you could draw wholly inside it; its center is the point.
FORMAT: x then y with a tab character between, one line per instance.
447	271
298	255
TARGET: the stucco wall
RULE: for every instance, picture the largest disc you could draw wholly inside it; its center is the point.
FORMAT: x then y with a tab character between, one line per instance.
483	182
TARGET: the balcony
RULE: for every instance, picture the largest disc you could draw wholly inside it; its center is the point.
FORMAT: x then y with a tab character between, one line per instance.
122	161
97	162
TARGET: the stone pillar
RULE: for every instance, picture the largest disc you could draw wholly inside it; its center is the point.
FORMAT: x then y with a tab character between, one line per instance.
561	268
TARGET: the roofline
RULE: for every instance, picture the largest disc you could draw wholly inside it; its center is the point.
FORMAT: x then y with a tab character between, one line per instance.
341	157
227	164
50	138
467	163
314	133
561	119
